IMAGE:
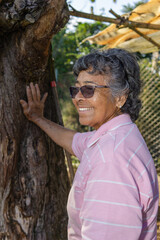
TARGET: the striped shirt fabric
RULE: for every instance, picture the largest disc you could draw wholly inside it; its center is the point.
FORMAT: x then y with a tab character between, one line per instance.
114	195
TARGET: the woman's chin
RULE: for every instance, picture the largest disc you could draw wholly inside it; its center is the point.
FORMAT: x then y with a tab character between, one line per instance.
84	121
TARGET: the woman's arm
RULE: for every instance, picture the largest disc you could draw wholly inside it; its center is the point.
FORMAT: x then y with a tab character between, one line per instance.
33	110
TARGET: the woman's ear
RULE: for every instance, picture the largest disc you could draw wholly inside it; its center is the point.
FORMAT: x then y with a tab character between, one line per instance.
120	101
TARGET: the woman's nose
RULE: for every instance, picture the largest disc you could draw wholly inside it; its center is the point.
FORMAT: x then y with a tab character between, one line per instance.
79	95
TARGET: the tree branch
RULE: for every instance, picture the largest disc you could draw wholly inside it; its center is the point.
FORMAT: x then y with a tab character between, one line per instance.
126	22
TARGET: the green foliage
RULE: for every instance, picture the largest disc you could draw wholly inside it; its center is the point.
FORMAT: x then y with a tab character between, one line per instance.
67	47
75	163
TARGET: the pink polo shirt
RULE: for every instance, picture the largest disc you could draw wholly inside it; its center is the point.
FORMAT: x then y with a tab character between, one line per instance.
115	191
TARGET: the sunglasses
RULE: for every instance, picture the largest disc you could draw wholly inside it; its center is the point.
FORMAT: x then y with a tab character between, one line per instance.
86	90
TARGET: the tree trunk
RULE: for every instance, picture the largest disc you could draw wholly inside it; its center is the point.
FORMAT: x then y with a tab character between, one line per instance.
34	183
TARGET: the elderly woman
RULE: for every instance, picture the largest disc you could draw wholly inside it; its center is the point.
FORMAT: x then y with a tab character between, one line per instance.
114	195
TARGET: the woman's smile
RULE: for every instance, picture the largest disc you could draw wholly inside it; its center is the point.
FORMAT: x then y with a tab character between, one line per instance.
85	109
99	108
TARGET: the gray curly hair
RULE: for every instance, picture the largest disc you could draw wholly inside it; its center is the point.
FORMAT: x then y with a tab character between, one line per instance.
124	73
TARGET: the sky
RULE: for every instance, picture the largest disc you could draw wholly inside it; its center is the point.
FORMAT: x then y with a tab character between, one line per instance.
85	6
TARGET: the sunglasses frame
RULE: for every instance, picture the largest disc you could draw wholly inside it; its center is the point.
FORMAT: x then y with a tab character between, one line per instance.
83	87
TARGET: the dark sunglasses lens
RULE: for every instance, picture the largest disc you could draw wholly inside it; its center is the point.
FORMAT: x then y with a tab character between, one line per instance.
73	91
87	91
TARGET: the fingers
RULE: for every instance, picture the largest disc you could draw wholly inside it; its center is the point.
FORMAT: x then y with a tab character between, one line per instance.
29	94
24	104
44	97
33	92
33	95
38	92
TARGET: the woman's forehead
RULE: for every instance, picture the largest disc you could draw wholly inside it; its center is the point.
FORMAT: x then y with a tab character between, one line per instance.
88	77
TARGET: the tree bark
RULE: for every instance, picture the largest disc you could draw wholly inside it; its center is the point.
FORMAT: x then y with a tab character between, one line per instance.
34	183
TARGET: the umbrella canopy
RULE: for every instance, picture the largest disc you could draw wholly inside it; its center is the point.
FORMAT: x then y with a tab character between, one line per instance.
125	37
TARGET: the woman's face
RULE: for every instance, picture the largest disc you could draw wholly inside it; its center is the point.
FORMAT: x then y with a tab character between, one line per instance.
98	109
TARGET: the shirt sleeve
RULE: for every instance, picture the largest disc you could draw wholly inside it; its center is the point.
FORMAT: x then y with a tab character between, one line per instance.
79	143
111	208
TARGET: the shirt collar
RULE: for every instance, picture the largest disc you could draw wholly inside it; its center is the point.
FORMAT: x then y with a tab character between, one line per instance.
111	125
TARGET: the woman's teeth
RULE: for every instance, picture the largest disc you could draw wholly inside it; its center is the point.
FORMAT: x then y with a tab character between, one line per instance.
85	109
